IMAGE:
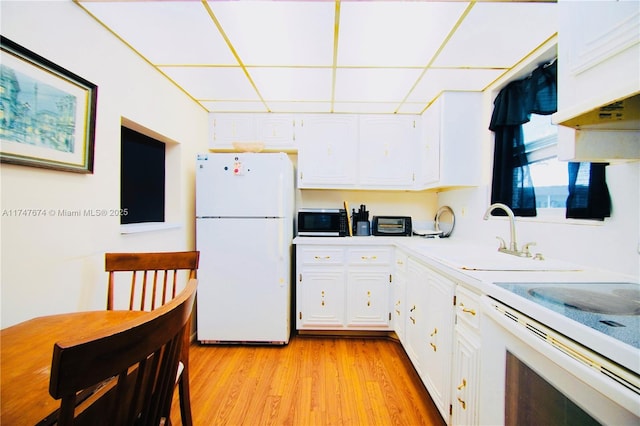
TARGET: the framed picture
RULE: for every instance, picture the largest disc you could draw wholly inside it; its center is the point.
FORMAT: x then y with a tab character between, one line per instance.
47	114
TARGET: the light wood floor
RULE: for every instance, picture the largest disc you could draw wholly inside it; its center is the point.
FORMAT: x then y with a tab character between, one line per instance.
310	381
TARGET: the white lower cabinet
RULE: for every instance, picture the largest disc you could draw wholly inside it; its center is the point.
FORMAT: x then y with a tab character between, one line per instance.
399	308
429	330
320	287
466	359
346	288
377	287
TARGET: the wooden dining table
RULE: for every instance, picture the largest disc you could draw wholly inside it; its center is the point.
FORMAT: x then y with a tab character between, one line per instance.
26	351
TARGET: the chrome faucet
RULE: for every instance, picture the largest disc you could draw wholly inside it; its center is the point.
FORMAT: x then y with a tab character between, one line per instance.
513	245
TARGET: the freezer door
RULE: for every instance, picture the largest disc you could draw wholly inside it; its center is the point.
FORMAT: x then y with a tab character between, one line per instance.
244	280
244	185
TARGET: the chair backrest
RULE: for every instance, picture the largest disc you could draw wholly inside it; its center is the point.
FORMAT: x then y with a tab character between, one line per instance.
140	355
154	276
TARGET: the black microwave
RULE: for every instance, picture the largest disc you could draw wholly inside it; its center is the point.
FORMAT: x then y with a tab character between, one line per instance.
323	223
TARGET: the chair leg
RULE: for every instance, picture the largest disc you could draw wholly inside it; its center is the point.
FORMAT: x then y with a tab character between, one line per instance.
185	398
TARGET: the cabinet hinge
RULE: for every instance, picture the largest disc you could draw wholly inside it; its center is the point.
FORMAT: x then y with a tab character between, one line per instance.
300	314
390	278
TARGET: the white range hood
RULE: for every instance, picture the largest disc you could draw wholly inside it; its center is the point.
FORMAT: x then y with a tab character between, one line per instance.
608	133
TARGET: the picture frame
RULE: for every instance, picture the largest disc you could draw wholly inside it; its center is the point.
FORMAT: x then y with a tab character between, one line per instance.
47	113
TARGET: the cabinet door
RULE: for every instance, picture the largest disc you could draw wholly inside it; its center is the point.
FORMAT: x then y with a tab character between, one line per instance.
320	298
368	297
599	49
429	147
416	315
451	146
387	150
276	131
229	128
466	377
437	357
399	290
327	154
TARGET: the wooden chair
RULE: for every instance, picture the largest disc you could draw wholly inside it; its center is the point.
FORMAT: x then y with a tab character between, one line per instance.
154	281
141	356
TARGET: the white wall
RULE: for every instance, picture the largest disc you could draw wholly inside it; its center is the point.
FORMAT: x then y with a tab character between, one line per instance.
55	264
612	244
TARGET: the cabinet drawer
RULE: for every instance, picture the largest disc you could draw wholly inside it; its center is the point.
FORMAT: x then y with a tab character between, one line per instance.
369	256
468	307
321	255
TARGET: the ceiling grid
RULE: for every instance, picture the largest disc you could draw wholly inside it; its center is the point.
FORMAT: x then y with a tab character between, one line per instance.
333	56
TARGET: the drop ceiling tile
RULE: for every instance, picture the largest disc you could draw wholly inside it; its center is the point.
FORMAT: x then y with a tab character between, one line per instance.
230	106
499	34
434	81
365	107
278	33
300	107
289	84
167	32
396	34
206	83
374	84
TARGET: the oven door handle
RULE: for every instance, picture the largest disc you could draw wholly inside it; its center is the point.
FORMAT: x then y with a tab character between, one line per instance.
578	360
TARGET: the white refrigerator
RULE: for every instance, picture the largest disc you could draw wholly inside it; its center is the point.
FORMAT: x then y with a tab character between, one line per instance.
244	232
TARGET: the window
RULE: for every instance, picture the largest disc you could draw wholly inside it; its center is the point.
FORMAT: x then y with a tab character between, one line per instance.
142	178
525	173
549	176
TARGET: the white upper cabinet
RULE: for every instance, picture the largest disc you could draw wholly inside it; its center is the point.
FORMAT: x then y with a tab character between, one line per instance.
598	80
228	128
450	148
328	151
387	151
275	131
357	151
598	53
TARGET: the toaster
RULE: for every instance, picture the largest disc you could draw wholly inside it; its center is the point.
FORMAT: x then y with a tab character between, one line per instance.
392	226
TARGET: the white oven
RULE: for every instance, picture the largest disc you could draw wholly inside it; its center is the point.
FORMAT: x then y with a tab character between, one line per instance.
533	375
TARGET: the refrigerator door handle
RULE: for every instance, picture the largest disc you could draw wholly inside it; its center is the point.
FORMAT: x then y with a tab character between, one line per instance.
281	239
281	195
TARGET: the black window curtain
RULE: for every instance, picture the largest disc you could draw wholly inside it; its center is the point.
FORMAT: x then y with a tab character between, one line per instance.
512	183
588	192
589	196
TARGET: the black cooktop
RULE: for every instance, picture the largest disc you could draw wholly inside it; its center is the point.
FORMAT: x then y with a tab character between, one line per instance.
612	308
